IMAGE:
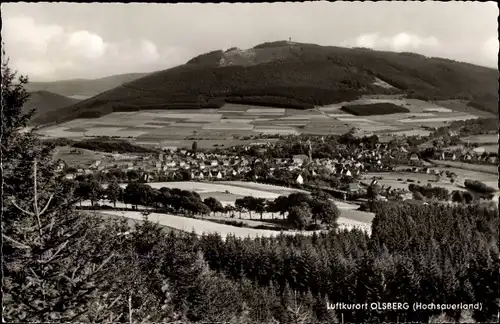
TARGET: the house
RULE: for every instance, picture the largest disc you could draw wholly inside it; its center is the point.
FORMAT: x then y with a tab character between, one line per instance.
348	173
70	176
60	166
158	165
300	180
214	163
219	175
479	150
414	157
299	159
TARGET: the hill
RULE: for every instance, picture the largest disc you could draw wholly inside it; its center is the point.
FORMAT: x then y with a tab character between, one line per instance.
79	88
292	75
45	102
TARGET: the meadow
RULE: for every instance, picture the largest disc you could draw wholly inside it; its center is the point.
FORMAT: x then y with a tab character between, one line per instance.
390	179
200	226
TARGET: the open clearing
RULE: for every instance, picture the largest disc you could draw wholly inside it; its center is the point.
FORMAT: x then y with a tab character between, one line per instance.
201	226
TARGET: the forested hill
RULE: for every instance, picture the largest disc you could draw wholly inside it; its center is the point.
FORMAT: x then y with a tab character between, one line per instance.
44	102
83	87
293	75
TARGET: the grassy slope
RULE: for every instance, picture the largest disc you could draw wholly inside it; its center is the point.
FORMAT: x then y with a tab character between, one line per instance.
278	74
84	87
45	102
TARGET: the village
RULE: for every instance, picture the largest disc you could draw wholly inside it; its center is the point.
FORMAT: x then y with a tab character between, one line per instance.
341	174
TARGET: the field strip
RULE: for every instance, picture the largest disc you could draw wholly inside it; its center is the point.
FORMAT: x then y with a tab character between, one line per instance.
200	226
212	187
438	119
263	187
492	169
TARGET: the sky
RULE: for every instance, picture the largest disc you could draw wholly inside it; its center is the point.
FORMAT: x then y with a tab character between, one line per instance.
57	41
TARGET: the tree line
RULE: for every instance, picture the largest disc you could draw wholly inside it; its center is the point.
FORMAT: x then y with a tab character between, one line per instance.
301	209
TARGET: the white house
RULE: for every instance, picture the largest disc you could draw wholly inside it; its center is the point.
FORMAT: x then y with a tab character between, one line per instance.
348	173
414	157
70	176
300	180
299	159
219	175
479	150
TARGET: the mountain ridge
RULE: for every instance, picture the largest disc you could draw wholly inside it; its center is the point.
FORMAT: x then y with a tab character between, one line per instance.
83	87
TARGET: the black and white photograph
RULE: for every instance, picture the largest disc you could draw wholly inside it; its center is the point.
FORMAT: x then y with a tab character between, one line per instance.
283	162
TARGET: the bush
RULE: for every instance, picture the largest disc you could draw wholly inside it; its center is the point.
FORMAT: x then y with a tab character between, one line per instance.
478	186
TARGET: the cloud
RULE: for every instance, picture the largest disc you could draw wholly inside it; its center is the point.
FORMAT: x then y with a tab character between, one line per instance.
399	42
490	49
30	36
44	51
87	44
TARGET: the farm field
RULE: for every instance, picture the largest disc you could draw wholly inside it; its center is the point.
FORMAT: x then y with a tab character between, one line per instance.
230	123
214	187
490	148
493	169
483	138
487	178
461	106
390	179
262	186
